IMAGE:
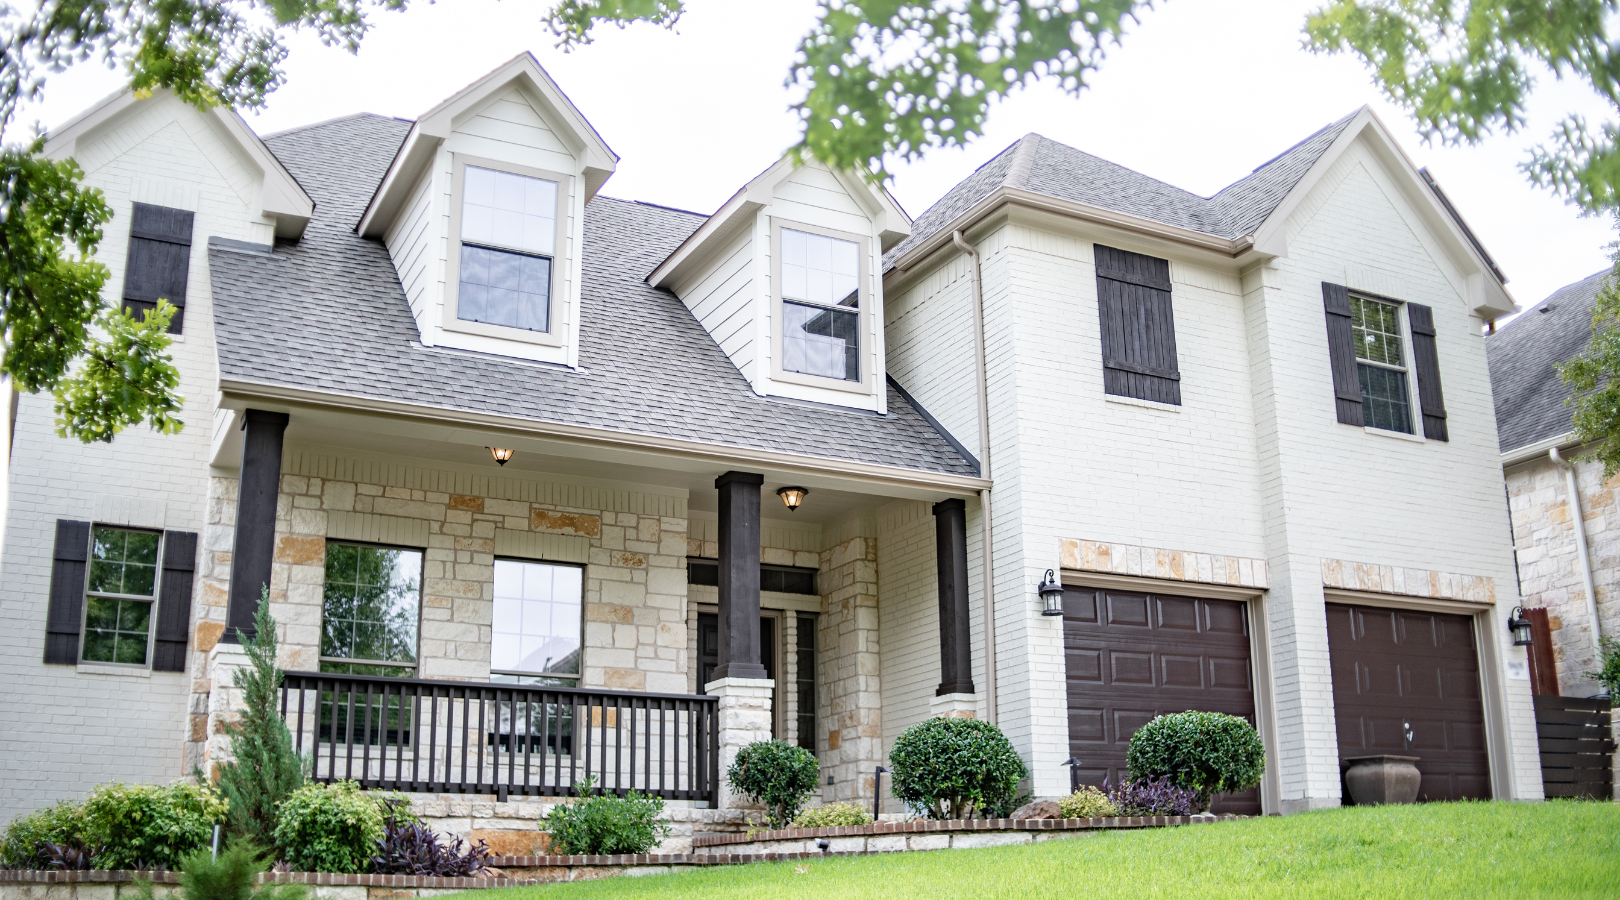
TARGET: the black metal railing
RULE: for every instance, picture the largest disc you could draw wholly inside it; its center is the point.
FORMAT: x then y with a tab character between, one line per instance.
410	734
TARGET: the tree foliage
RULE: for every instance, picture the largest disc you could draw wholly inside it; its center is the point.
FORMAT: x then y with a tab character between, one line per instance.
264	770
1464	70
889	79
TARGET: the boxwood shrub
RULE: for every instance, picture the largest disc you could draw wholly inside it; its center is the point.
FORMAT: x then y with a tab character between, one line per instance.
949	768
331	827
1207	752
777	774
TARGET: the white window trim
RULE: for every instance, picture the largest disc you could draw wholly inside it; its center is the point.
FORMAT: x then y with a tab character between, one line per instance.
578	678
864	385
561	259
1414	414
100	666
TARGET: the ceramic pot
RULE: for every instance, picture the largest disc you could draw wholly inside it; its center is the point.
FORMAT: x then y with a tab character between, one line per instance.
1382	779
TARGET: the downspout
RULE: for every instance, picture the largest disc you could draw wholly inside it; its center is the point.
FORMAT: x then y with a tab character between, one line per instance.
989	589
1579	522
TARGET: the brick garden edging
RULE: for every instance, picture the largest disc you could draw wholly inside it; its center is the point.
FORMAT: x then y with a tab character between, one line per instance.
936	826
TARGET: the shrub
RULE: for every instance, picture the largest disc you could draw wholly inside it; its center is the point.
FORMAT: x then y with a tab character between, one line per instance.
408	847
330	827
1608	673
605	825
777	774
1155	797
1087	803
144	826
1208	752
265	771
22	846
834	815
231	877
952	768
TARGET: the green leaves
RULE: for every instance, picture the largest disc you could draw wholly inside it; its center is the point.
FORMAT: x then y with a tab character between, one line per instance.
603	824
949	768
1464	70
777	774
1594	385
1207	752
123	379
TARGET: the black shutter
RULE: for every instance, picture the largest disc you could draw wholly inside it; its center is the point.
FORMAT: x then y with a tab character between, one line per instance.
1138	329
159	260
174	601
66	613
1342	353
1426	359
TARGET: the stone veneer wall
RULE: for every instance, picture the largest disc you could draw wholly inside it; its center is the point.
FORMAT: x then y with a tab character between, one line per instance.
849	721
633	542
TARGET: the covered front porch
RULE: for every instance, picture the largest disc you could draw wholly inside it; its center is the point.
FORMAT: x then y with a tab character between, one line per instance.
592	608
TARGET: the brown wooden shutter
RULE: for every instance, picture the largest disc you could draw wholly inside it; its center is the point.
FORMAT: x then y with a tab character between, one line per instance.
1342	354
1543	668
1426	359
65	616
159	260
1138	327
174	601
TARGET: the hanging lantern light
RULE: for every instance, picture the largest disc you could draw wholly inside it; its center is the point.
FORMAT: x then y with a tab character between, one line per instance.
792	496
1519	627
502	454
1051	595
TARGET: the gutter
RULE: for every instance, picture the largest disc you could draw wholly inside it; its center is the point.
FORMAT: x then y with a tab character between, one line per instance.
987	567
1532	452
1578	522
888	476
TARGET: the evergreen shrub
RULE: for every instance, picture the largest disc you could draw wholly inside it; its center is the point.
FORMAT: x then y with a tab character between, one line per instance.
146	826
599	824
264	770
1206	752
950	768
777	774
330	827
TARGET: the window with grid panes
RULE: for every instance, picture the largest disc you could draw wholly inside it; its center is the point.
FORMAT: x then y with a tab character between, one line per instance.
820	305
371	611
536	629
1381	364
121	590
508	244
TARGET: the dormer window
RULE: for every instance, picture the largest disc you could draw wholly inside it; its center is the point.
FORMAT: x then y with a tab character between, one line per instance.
506	250
822	294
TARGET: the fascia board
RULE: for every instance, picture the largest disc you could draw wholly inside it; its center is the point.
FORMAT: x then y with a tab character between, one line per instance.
283	198
738	213
413	156
61	141
871	473
1538	450
1271	236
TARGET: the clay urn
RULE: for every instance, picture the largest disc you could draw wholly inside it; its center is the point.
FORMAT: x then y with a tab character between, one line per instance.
1382	779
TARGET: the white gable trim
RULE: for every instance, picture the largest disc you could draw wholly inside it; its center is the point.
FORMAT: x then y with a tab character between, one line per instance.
1486	295
281	197
597	159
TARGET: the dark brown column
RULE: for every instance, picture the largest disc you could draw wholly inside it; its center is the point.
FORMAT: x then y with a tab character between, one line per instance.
739	576
950	549
257	486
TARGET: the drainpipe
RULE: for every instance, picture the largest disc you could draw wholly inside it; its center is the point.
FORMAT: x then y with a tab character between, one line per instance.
1580	545
989	589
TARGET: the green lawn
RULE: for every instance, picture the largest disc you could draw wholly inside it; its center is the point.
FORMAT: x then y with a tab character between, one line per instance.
1468	850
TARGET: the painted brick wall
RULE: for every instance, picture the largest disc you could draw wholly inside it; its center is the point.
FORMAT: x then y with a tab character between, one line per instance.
126	727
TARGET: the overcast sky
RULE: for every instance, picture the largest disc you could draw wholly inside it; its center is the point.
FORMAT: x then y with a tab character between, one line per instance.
1200	93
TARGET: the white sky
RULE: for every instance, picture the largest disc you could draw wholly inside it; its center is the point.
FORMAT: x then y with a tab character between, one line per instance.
1200	93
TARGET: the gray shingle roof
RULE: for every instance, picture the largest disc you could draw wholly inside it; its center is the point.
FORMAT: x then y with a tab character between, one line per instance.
1044	166
1528	392
328	314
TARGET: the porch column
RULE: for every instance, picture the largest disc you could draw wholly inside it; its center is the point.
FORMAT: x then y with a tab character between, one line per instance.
257	486
950	550
739	576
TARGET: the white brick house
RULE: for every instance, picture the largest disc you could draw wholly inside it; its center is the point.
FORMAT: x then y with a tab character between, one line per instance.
1175	417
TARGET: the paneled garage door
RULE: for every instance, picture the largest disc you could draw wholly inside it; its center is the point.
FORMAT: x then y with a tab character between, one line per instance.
1407	683
1132	656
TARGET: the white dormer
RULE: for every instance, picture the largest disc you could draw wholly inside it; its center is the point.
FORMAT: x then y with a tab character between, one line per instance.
787	277
483	210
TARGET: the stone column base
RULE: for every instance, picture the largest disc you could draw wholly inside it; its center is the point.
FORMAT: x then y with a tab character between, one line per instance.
955	706
224	702
744	717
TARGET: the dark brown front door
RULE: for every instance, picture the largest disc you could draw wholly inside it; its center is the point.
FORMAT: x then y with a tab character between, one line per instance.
1132	656
1407	683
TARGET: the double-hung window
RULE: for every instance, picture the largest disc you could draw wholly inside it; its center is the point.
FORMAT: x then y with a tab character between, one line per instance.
821	300
1375	327
536	629
121	591
371	611
508	249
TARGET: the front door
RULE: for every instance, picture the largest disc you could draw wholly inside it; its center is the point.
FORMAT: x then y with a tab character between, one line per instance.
709	651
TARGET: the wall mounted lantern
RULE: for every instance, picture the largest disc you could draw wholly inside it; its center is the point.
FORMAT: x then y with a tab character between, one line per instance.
1519	627
792	496
501	454
1051	595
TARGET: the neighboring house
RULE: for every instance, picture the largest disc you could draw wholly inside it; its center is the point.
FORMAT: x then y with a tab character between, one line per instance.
1570	574
1252	434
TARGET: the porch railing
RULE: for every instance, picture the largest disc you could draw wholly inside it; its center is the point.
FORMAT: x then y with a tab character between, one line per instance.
409	734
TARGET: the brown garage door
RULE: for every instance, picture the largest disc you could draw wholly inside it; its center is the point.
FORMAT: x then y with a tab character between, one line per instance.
1407	683
1132	656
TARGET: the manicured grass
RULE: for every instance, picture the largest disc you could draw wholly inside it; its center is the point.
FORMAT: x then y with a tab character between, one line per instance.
1465	850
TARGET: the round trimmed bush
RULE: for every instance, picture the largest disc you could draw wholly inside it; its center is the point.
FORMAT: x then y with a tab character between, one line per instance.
950	768
330	827
834	815
1211	753
777	774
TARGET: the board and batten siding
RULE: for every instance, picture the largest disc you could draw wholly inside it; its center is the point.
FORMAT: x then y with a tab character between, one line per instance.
116	727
